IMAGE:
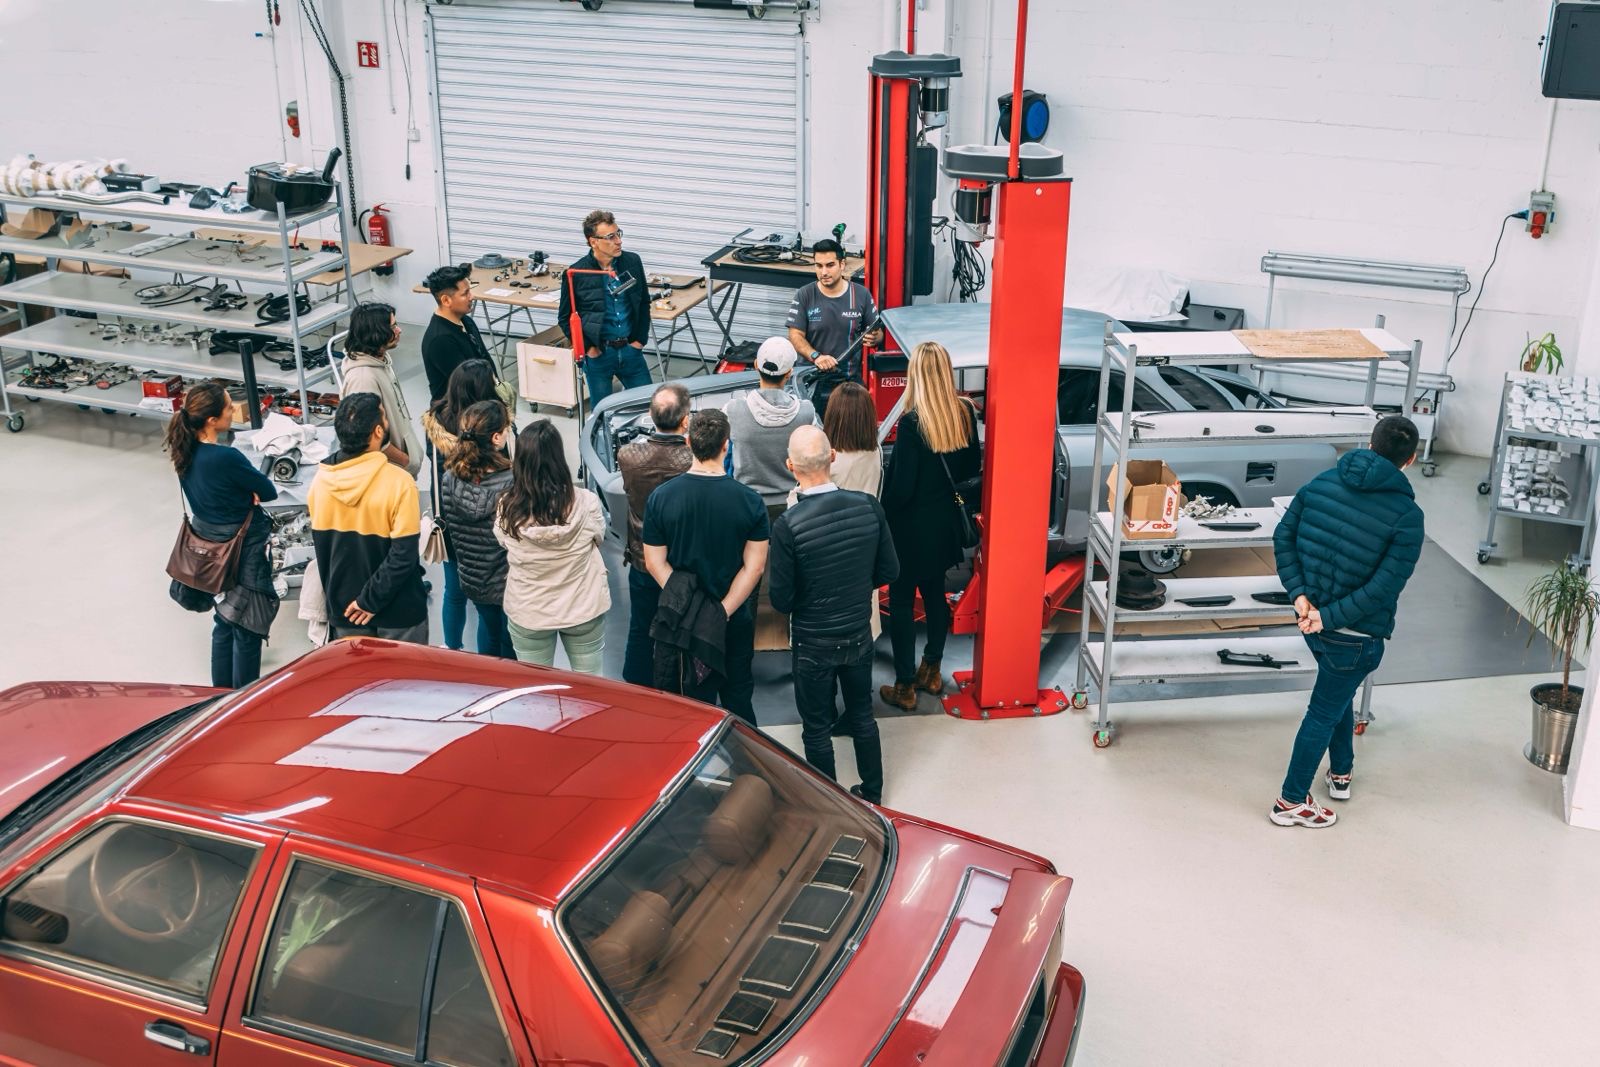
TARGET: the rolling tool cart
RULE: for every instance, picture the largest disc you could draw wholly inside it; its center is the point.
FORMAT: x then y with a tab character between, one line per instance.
1546	463
1106	659
115	329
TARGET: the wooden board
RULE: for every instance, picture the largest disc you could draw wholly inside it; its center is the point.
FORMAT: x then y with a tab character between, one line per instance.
1308	344
363	257
852	265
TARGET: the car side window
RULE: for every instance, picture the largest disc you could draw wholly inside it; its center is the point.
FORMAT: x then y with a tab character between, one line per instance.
1078	388
137	901
350	957
1199	393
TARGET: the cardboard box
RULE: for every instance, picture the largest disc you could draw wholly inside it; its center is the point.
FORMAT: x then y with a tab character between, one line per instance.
546	373
164	387
1153	498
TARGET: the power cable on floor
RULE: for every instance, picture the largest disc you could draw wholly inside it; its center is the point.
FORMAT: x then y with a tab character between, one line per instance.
1482	284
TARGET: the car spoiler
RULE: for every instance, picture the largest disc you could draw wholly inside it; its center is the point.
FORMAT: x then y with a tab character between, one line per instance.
991	1008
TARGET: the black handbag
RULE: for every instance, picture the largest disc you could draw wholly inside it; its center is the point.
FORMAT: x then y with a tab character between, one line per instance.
968	496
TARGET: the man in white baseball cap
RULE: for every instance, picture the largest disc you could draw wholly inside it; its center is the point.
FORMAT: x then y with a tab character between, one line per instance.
761	421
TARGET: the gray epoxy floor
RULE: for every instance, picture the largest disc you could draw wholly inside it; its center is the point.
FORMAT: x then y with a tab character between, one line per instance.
1448	919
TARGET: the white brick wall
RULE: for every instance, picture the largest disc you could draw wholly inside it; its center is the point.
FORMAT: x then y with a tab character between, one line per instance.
1201	133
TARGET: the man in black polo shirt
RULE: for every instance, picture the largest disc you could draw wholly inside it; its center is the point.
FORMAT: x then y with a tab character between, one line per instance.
452	337
614	308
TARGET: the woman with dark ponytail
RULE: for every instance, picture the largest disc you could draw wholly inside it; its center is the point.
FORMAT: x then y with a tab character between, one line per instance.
476	473
224	492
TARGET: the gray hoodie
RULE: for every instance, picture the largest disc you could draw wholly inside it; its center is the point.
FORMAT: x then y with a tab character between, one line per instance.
759	424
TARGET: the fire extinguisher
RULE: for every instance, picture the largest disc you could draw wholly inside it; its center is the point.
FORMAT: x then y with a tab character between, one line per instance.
378	234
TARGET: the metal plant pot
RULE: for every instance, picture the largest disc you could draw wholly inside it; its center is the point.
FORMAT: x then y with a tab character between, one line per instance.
1553	727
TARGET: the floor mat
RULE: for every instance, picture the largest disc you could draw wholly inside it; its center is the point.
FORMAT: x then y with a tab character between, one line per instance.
1450	626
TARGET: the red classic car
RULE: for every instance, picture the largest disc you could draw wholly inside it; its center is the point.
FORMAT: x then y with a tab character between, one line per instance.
387	854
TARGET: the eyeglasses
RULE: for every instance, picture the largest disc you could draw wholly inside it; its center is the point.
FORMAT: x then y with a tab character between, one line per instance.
613	236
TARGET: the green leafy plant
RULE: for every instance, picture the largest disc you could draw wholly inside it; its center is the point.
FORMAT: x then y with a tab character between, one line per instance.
1564	604
1542	355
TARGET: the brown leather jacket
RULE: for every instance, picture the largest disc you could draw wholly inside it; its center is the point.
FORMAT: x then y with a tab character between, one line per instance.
645	463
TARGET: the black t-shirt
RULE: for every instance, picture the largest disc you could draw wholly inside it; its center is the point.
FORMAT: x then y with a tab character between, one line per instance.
704	522
445	346
220	482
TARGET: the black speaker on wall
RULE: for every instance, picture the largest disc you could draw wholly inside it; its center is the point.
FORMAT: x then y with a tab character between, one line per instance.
1572	52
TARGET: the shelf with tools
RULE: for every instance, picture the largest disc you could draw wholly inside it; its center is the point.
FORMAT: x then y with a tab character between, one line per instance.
255	260
94	339
1546	461
76	338
1108	659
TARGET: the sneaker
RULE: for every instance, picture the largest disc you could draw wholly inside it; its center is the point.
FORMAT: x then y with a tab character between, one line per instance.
1338	786
1305	814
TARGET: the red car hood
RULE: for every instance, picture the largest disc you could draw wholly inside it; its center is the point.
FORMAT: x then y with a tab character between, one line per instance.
51	727
949	962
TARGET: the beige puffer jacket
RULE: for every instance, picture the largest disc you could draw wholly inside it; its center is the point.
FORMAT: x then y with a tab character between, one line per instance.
556	578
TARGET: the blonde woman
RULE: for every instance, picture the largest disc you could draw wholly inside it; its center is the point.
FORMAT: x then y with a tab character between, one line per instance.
919	499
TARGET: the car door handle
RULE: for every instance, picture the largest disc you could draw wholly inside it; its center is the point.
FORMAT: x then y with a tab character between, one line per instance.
173	1036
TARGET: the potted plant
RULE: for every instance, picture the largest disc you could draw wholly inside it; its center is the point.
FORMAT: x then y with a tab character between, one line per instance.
1564	604
1541	355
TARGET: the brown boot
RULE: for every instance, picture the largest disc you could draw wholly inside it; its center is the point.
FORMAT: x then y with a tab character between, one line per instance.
929	679
899	696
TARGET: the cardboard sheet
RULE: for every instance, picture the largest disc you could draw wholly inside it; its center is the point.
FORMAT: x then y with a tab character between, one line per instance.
1221	563
1308	344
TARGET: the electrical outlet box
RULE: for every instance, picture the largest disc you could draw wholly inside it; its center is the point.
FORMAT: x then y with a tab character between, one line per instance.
413	134
1541	212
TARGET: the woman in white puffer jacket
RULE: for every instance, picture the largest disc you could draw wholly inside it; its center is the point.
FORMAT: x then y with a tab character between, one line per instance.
556	583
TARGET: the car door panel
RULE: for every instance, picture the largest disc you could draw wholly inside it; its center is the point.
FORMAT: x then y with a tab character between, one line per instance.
248	1041
61	1011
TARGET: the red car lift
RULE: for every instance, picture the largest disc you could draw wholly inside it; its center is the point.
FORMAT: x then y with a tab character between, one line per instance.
1011	594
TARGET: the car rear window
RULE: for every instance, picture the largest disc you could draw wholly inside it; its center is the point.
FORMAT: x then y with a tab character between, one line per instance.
716	926
1201	394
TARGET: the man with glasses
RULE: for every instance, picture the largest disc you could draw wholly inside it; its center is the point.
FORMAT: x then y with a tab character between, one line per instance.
614	308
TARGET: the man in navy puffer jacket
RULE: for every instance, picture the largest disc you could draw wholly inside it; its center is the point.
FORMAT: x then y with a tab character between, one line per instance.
1345	549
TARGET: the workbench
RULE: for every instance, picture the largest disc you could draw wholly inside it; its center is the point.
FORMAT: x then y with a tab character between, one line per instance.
724	268
364	258
501	304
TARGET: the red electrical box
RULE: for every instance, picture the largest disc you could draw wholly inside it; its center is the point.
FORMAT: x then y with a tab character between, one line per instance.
367	53
167	387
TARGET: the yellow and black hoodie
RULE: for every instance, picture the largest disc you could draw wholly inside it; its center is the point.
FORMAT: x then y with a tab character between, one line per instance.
365	514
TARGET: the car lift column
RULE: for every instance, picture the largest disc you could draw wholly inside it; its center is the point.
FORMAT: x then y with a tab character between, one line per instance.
1030	265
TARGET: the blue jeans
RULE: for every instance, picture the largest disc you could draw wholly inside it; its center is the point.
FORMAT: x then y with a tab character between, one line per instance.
818	668
626	363
235	654
454	608
1343	663
638	659
494	638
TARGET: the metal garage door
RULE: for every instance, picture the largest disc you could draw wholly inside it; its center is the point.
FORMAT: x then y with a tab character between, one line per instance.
686	123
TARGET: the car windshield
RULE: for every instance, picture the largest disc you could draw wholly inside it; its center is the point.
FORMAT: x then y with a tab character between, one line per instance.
713	928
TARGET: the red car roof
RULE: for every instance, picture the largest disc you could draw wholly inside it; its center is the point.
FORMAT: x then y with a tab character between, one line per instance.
506	772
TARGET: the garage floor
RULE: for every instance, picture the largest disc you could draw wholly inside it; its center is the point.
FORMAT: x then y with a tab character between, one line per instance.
1448	919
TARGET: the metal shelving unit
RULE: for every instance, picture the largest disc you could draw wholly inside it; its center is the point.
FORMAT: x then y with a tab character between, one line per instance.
109	297
1126	434
1579	466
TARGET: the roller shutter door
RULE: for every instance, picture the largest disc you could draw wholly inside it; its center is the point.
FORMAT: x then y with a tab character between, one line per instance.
686	123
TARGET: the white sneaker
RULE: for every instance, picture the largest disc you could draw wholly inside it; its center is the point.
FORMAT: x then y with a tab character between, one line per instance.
1338	786
1307	814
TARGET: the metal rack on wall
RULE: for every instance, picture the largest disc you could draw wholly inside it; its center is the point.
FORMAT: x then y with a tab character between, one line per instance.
91	299
1430	387
1573	447
1106	660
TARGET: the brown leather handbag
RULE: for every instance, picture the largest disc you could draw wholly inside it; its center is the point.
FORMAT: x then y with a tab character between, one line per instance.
209	566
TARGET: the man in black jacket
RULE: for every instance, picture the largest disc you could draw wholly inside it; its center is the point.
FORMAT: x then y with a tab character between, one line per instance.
645	463
829	552
615	309
452	337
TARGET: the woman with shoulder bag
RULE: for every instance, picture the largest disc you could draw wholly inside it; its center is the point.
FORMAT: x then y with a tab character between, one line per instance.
224	492
474	478
936	455
472	381
556	584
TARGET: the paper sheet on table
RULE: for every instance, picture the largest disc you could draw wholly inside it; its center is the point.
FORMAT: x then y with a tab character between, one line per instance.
499	292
